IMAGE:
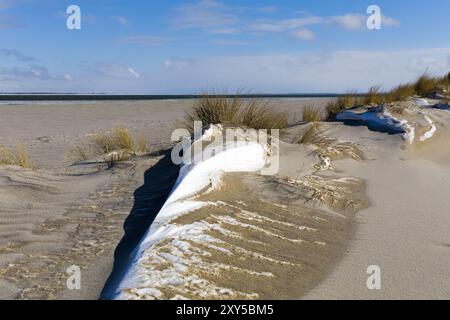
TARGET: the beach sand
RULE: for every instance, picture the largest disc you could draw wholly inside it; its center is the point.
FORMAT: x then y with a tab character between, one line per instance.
405	231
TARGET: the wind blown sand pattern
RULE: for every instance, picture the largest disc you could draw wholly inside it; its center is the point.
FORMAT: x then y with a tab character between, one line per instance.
35	259
235	242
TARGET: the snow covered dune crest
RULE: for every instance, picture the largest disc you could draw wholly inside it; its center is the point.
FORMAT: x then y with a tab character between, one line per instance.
241	156
414	119
228	231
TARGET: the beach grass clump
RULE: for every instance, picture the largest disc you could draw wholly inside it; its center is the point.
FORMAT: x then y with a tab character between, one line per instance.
79	153
400	93
348	101
424	86
119	139
18	158
234	110
312	114
374	96
141	145
115	146
7	157
122	139
310	135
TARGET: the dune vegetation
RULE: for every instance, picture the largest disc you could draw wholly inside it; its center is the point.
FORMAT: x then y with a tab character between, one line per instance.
424	86
115	145
234	110
19	157
312	114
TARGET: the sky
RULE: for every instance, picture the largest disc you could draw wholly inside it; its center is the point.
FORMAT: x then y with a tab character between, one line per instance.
192	46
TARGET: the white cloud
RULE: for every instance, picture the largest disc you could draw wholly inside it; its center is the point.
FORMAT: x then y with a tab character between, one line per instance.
354	21
284	24
117	71
216	17
205	14
178	63
134	73
303	34
121	20
32	72
281	73
350	21
334	72
389	22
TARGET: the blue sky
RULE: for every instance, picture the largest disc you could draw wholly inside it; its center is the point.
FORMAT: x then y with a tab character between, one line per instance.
164	47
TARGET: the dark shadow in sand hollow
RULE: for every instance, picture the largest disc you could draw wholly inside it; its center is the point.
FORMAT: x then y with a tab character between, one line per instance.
148	200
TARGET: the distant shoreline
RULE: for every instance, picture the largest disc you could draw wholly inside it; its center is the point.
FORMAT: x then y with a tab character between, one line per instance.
112	97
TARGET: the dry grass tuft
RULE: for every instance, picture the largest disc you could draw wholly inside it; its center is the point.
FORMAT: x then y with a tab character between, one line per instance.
349	100
312	114
424	86
400	93
115	146
79	153
310	135
19	158
234	111
374	96
141	144
22	157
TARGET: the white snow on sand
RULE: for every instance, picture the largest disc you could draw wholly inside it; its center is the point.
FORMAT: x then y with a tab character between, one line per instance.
243	156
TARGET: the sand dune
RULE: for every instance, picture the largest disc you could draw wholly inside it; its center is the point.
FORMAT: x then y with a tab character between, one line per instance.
62	215
405	230
348	195
225	235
